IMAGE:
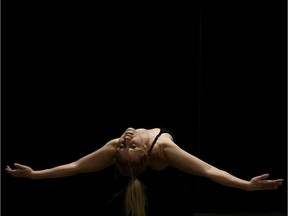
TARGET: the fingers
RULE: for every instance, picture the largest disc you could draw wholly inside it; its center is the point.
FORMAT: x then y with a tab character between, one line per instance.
17	171
263	176
19	166
7	168
14	172
274	184
279	182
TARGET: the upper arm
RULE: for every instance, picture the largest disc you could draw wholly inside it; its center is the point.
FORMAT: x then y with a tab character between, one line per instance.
97	160
182	160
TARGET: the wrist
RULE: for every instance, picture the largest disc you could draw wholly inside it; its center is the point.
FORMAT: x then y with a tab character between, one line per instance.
34	175
246	186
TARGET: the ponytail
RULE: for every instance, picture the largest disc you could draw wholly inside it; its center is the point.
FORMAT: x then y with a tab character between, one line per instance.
135	198
135	192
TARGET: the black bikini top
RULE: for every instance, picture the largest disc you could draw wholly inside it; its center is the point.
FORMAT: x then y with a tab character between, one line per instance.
162	130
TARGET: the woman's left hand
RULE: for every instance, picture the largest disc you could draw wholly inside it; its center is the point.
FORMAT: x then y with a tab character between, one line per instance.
262	183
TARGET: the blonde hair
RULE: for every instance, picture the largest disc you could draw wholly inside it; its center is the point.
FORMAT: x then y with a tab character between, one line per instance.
135	202
135	198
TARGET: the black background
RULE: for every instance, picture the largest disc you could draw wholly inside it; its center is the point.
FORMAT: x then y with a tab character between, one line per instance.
76	75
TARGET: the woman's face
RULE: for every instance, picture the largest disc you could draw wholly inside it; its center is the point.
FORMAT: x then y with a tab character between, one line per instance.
130	146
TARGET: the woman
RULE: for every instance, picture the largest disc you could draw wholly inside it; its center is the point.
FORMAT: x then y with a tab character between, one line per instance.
133	152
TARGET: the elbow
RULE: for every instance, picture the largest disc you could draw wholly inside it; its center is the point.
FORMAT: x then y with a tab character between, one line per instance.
75	168
79	167
208	172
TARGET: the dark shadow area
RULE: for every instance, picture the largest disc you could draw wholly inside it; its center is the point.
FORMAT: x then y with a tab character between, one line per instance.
75	76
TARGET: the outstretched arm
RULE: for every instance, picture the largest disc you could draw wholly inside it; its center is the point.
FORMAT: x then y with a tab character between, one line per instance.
177	157
92	162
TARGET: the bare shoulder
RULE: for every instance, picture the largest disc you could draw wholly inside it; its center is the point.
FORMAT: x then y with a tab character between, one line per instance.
164	143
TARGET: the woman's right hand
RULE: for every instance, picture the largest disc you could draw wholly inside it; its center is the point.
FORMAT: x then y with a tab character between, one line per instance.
20	171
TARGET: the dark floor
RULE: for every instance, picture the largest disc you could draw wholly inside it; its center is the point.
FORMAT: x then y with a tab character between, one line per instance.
243	214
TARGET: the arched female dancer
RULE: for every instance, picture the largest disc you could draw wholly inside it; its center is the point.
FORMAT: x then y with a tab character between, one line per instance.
132	153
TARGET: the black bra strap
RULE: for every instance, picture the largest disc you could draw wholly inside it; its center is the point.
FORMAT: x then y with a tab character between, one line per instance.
154	141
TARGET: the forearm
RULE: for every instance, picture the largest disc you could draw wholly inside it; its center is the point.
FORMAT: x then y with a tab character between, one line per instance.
224	178
55	172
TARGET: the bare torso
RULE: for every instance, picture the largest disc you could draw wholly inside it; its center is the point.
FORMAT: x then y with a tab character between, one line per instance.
157	161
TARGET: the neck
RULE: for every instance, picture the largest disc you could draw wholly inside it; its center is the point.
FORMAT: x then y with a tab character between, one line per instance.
147	138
